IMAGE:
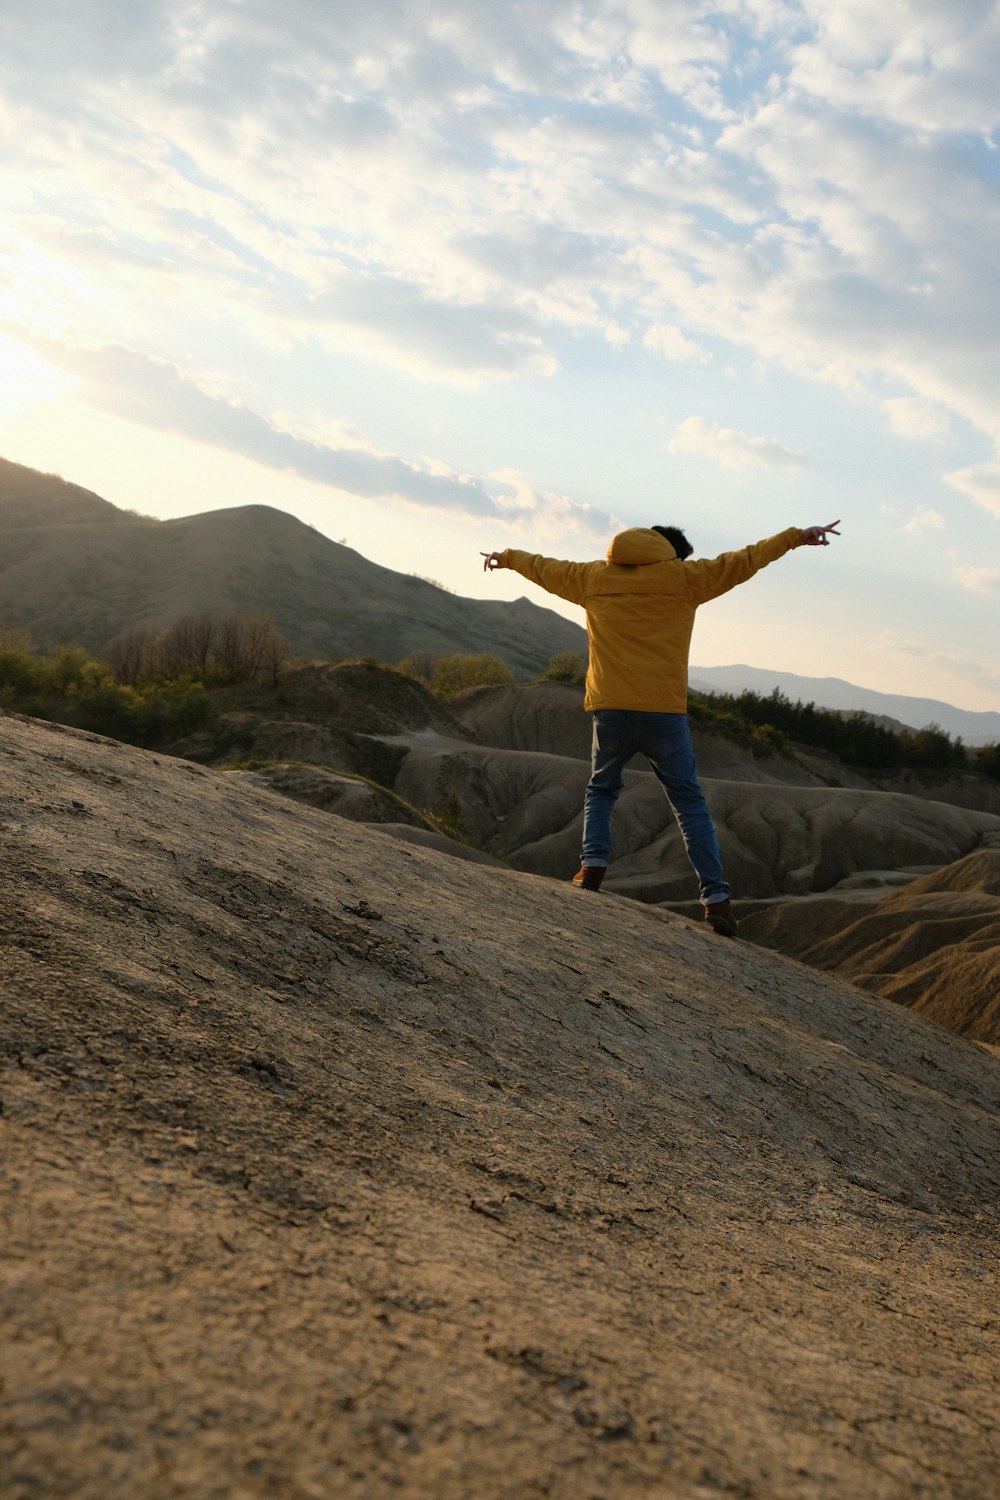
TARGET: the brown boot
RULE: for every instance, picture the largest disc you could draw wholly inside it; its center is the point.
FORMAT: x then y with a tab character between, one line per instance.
722	918
589	877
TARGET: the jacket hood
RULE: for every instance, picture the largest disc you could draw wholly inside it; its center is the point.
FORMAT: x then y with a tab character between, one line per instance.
640	545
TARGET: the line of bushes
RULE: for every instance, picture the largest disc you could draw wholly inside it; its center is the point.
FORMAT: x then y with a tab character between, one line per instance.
855	738
68	686
447	675
151	686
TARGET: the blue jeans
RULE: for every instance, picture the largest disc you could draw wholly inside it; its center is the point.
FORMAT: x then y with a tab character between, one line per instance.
665	741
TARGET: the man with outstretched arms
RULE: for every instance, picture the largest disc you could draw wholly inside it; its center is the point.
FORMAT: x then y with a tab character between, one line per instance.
640	606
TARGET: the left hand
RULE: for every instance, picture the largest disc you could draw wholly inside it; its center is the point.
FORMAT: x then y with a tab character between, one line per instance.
493	560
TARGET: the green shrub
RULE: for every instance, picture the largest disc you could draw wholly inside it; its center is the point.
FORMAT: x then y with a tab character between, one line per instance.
20	675
167	710
68	686
419	665
94	700
452	674
767	738
566	666
63	668
986	759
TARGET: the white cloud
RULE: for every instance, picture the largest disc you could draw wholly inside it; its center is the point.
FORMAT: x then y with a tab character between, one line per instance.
503	173
978	580
925	519
153	393
458	192
979	674
920	63
667	339
881	268
408	326
26	376
981	482
543	513
732	449
913	417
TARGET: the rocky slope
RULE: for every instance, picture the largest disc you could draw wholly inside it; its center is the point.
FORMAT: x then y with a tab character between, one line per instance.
337	1167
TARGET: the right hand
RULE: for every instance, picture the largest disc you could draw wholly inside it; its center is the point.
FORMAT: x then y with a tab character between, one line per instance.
816	536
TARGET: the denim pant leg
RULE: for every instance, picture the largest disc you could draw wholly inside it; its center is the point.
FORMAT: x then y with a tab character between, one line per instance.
612	748
666	744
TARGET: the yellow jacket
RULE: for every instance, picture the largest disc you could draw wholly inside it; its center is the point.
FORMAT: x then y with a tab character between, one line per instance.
640	610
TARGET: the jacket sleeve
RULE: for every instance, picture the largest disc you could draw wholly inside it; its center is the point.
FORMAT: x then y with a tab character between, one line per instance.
567	579
709	577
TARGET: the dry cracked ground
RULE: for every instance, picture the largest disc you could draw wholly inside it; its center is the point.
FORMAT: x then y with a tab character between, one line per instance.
337	1167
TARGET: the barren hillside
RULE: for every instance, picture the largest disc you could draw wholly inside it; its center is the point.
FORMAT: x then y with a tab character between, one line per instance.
337	1167
505	768
67	576
510	766
932	943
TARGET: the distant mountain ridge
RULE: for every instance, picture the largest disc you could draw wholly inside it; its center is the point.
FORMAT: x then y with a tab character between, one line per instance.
833	692
76	569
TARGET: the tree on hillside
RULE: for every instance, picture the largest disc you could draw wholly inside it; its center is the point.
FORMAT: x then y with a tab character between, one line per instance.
932	749
70	687
20	676
188	644
133	656
248	647
214	648
15	640
275	651
65	667
986	759
232	654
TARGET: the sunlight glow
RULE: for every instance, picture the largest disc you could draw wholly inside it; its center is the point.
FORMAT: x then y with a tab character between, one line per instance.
25	376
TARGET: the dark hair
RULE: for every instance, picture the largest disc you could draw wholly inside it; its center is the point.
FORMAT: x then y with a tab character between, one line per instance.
675	536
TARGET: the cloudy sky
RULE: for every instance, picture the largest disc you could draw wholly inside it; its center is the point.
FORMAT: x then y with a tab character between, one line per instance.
448	276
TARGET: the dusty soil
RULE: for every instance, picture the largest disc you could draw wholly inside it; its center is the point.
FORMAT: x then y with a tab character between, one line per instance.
336	1167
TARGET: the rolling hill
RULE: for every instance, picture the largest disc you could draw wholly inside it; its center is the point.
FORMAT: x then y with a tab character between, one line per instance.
75	569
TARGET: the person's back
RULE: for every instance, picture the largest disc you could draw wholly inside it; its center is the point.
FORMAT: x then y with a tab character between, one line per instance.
641	605
640	616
